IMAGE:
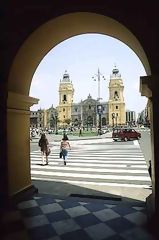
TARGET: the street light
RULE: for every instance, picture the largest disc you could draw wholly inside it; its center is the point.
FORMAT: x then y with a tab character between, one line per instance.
99	107
97	78
51	121
81	114
116	117
100	111
113	116
56	130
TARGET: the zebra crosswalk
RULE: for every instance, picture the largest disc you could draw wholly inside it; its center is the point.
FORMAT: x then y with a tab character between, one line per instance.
95	164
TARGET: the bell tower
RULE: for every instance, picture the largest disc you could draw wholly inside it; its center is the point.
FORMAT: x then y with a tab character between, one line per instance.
66	92
116	104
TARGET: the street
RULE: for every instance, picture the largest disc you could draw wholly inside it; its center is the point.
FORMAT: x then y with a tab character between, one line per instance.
96	164
144	142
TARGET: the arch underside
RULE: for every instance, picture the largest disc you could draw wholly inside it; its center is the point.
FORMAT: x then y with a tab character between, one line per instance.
47	36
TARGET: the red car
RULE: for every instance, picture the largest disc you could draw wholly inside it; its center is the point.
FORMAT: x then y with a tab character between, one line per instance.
125	134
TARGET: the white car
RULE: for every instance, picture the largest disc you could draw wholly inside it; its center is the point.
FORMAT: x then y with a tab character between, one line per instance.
104	130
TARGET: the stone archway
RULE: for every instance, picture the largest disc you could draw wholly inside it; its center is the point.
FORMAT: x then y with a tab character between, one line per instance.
24	65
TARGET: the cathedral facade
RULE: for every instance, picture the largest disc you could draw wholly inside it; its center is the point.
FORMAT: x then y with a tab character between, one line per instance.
85	113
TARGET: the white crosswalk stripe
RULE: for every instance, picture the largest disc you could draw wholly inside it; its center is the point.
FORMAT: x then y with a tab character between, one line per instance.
94	164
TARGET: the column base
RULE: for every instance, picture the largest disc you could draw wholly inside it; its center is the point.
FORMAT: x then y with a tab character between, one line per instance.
11	201
149	206
24	194
153	217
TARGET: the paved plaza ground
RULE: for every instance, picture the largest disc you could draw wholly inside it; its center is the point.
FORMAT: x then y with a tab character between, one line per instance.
66	188
99	195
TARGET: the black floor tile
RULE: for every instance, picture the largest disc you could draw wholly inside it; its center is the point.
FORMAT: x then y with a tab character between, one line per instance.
87	220
76	235
120	224
123	210
69	204
42	232
45	200
116	237
57	216
93	207
30	212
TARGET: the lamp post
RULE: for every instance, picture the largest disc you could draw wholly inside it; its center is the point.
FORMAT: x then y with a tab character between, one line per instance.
81	115
51	121
116	118
113	116
56	130
99	107
99	110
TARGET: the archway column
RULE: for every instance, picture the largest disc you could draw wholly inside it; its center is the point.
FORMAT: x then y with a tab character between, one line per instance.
18	141
149	86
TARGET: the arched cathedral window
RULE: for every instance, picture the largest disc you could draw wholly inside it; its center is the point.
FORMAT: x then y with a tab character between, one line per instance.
116	96
64	97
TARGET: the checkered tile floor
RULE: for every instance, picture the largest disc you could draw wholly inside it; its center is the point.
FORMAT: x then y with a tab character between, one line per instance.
44	217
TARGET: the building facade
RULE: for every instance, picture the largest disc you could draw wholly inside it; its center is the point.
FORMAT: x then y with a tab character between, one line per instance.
51	118
130	118
144	117
43	118
85	113
37	119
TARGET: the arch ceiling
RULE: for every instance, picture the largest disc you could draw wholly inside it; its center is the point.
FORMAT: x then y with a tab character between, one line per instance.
48	35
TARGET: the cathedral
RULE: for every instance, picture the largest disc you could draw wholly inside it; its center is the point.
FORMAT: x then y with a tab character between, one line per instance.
85	113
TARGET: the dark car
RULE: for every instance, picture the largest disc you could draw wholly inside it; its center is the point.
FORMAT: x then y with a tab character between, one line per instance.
125	134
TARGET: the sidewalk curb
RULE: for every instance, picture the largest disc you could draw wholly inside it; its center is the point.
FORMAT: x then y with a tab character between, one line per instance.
75	139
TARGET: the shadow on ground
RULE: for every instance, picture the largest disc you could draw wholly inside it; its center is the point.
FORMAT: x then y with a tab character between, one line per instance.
64	189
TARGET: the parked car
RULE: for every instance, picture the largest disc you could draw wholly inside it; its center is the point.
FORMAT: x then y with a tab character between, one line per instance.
125	134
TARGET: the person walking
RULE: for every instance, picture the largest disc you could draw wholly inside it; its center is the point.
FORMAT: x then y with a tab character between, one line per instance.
150	169
80	132
64	148
43	144
150	172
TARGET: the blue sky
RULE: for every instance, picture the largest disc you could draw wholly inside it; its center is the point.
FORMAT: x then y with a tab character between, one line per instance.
81	56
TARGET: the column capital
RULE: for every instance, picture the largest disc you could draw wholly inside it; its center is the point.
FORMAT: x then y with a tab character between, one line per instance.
149	84
20	102
146	86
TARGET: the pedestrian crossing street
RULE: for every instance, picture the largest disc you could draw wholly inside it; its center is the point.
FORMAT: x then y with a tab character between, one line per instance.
94	164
